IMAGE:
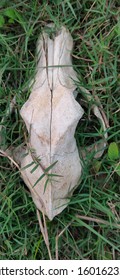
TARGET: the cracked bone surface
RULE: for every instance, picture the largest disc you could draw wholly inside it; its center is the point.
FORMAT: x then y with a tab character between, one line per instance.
52	168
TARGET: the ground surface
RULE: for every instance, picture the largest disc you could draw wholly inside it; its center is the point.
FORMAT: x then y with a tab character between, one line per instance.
95	27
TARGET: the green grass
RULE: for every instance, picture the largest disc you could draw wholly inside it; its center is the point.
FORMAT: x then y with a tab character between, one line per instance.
95	27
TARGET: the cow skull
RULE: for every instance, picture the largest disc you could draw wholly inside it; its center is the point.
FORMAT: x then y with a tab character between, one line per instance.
50	162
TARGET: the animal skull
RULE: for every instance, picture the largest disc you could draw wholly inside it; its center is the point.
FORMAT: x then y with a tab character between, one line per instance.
51	166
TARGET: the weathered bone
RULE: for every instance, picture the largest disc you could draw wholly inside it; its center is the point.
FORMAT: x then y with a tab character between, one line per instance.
51	115
50	163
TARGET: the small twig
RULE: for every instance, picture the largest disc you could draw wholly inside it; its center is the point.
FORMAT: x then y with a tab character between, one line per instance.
5	168
101	110
116	111
59	235
111	174
96	220
46	235
113	210
86	16
113	254
44	232
8	77
81	58
104	117
5	154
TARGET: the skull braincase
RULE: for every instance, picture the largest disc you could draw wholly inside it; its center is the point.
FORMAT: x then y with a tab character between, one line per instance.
51	115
